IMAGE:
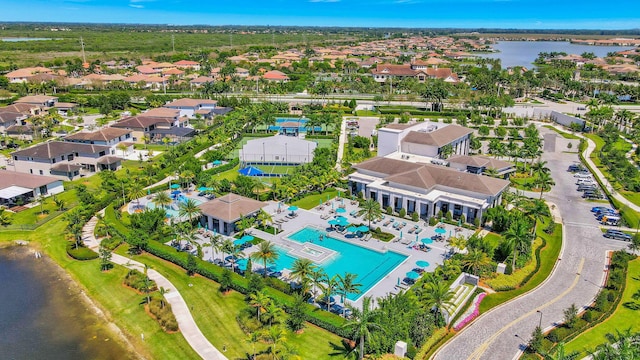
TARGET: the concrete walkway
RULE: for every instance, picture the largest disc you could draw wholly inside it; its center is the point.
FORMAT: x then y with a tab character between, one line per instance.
188	326
342	140
577	277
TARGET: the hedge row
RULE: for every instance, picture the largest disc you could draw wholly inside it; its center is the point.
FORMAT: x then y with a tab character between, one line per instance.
80	252
323	319
503	282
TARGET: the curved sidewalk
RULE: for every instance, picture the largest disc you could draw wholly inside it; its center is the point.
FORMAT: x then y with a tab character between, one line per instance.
188	326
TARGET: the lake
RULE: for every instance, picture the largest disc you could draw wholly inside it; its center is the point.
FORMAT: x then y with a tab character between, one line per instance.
523	53
43	317
18	39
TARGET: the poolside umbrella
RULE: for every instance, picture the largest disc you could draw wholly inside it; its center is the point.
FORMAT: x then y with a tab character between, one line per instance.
427	241
333	222
279	203
413	275
398	281
242	264
148	191
400	234
320	202
176	192
422	263
440	231
352	229
175	186
342	221
293	208
217	162
363	228
202	188
341	211
238	242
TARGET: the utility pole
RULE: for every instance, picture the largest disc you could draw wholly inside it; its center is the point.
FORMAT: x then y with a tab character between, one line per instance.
84	59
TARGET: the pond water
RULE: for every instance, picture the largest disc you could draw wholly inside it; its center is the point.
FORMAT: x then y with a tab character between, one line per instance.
19	39
523	53
43	317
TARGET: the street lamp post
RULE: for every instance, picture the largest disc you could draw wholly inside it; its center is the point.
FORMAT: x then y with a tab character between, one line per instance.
540	321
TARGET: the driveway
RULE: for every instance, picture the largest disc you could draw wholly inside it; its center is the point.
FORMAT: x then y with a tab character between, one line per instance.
502	332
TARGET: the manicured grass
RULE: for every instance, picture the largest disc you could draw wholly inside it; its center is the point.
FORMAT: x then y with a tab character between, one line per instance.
122	305
565	135
548	256
311	201
620	320
493	239
230	174
215	314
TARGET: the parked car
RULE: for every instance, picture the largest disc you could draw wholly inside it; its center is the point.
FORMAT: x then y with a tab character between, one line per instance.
576	168
617	234
586	187
592	195
582	175
600	208
610	220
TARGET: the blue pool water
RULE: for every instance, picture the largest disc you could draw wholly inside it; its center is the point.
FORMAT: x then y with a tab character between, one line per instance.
301	128
370	266
172	210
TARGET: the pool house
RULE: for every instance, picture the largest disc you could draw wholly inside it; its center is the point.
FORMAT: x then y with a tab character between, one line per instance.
220	214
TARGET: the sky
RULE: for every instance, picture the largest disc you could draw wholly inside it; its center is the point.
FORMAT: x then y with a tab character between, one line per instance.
521	14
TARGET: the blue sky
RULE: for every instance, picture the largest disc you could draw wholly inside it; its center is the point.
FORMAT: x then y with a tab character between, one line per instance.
524	14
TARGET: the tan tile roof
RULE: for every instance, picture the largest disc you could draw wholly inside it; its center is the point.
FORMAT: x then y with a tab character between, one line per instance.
141	122
9	116
398	126
35	99
21	108
105	134
427	176
12	178
440	137
161	112
191	102
231	207
62	167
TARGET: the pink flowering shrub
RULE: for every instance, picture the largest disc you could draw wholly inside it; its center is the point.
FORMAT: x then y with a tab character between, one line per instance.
473	315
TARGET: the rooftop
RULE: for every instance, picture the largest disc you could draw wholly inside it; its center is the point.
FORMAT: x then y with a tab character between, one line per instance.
12	178
230	207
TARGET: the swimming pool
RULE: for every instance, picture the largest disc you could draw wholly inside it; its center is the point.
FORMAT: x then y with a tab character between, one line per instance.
172	209
301	124
370	266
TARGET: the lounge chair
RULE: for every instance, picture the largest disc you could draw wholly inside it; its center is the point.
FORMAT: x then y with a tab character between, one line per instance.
354	213
406	241
396	224
386	223
411	230
418	231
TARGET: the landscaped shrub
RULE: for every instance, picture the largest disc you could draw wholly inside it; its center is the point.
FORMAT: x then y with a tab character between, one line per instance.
136	280
433	221
503	282
80	252
161	310
415	217
402	213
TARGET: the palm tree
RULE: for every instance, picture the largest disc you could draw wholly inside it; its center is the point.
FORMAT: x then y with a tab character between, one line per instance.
162	292
516	235
371	210
264	217
362	322
437	295
476	259
236	253
329	288
545	182
190	209
245	223
162	199
226	247
540	167
136	192
316	277
302	269
273	312
275	335
537	210
347	285
457	242
259	300
215	242
267	253
560	354
622	345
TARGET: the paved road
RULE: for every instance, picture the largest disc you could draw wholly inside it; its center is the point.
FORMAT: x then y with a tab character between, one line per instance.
576	279
187	324
342	140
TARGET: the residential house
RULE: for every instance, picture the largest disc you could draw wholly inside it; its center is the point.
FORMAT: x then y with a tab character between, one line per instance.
426	139
191	107
16	188
275	76
187	64
201	80
418	70
110	136
65	160
10	118
25	74
38	100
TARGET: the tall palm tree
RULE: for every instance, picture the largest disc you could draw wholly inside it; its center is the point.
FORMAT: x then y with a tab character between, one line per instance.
540	167
545	182
561	354
260	300
302	269
264	217
275	336
316	278
226	247
347	285
236	253
329	288
267	253
274	312
362	322
537	210
516	236
245	223
187	176
190	209
371	210
437	295
162	199
475	260
215	242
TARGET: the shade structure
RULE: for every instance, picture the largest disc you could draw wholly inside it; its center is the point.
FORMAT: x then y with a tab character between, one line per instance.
422	263
204	188
426	241
242	264
363	228
333	222
352	229
413	275
441	231
250	171
238	242
342	220
176	192
341	211
175	186
293	208
217	162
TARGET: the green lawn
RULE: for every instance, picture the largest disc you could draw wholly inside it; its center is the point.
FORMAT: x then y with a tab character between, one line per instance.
216	313
565	135
548	256
493	239
621	319
121	304
230	174
311	201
